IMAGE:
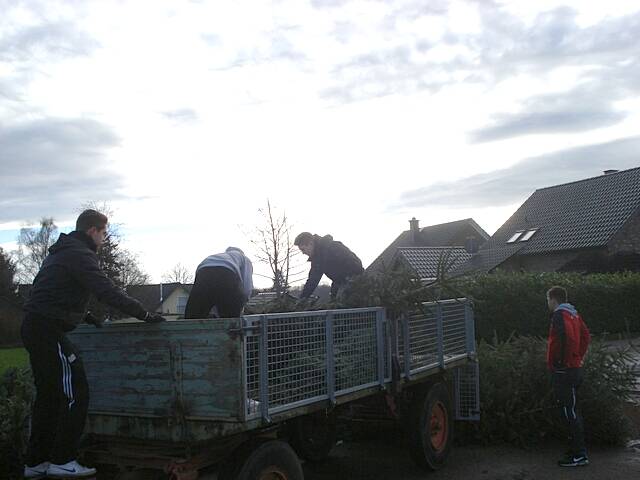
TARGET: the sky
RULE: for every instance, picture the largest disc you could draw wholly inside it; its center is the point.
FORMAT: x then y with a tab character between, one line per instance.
350	116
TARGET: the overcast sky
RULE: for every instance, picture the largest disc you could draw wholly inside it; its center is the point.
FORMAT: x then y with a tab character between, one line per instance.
351	116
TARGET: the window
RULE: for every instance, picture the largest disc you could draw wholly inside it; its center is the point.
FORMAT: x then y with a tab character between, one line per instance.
181	304
528	234
515	236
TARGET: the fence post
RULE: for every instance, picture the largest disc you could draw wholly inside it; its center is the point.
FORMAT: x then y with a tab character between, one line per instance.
330	364
440	334
406	346
469	328
380	345
264	370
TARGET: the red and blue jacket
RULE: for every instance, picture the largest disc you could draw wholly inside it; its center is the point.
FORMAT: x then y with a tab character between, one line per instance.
568	339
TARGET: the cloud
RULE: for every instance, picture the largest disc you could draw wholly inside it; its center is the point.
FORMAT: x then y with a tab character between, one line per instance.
50	166
212	39
514	184
553	39
503	46
181	115
393	71
343	31
50	41
328	3
577	110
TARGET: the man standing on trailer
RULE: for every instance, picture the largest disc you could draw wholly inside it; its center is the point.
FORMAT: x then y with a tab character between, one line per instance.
567	345
58	302
223	281
328	257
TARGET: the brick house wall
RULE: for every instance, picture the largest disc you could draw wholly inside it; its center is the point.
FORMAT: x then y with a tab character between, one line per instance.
627	240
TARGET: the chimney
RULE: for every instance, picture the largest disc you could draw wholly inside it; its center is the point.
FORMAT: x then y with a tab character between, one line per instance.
609	172
414	227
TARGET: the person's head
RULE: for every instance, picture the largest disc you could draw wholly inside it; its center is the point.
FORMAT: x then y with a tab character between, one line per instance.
304	242
555	296
94	224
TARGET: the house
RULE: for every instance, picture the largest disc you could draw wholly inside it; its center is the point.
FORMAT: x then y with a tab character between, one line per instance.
465	234
164	298
592	225
428	263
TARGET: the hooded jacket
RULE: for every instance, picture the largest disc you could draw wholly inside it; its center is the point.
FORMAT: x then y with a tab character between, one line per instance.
568	339
68	276
235	260
333	259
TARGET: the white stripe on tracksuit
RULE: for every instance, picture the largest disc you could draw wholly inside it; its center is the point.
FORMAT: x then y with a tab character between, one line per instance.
67	384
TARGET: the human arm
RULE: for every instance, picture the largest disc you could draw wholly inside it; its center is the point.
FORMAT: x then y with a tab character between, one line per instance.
315	274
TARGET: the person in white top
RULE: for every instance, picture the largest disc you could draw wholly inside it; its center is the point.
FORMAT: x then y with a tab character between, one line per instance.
223	284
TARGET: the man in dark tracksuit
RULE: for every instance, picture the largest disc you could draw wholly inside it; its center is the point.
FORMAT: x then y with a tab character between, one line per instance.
58	302
328	257
567	345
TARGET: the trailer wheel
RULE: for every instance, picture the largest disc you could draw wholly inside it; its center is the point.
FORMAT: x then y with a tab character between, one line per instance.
313	436
431	428
269	460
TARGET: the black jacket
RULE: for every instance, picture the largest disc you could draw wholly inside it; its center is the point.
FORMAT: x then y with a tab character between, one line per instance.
68	276
333	259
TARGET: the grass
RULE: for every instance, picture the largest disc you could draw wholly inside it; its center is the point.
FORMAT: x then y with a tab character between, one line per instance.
13	357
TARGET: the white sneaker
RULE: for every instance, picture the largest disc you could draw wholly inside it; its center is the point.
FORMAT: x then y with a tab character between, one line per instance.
38	471
71	469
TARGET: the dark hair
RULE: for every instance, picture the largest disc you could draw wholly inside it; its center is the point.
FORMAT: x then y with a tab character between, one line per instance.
304	238
558	293
91	218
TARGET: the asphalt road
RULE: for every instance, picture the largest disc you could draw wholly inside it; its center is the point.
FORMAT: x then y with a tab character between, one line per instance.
383	460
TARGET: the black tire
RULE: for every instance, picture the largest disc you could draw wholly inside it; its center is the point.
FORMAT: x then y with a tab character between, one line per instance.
266	460
430	427
313	436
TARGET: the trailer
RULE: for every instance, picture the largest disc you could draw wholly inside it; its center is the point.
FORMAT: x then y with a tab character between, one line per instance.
249	396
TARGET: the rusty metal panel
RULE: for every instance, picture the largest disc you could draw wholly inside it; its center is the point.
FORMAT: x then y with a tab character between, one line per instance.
167	372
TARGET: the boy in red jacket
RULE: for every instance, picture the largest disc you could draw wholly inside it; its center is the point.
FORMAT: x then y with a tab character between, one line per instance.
567	345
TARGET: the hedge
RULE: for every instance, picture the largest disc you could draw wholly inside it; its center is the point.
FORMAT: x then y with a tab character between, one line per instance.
506	303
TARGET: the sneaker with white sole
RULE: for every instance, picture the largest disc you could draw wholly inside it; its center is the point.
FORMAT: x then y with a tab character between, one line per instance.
574	461
37	471
70	469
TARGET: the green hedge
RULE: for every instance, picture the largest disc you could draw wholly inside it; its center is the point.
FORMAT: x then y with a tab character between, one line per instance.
516	399
515	303
16	396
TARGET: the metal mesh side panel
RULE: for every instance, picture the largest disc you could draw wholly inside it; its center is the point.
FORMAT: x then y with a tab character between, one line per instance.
252	372
355	349
467	398
423	339
296	356
453	329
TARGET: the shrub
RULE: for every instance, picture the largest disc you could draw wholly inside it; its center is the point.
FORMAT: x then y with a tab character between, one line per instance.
16	394
517	404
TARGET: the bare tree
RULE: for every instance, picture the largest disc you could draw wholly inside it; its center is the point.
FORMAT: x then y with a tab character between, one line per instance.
275	248
130	271
179	274
33	248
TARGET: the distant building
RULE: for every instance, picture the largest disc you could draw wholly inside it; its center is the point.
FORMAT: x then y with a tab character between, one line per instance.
164	298
592	225
458	237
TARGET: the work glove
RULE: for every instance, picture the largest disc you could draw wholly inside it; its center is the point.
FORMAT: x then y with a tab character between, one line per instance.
91	319
154	318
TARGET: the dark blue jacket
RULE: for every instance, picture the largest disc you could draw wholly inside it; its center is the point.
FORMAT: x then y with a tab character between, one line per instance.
68	276
333	259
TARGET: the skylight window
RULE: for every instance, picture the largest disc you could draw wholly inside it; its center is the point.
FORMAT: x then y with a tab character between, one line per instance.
528	234
515	236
